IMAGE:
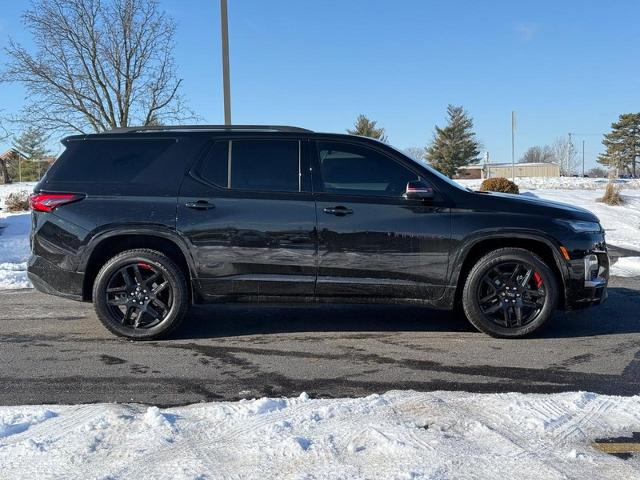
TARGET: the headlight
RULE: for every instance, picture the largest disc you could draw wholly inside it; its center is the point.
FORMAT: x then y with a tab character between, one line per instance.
580	226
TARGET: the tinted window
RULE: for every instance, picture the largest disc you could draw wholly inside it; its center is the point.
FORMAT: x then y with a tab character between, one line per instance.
268	165
356	170
111	161
215	167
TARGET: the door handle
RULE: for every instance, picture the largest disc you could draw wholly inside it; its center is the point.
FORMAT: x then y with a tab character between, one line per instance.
339	211
200	205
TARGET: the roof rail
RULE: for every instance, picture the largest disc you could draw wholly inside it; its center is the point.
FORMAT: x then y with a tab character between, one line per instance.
171	128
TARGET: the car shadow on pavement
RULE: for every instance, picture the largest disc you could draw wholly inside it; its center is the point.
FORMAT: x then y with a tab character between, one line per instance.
239	320
618	315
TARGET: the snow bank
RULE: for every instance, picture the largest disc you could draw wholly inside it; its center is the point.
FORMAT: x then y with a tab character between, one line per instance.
6	190
626	267
395	435
564	183
14	240
14	250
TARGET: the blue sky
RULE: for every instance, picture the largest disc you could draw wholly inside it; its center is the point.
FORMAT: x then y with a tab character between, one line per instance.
563	66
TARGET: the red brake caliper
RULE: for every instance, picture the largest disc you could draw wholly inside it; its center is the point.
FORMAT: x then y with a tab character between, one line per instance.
144	266
537	279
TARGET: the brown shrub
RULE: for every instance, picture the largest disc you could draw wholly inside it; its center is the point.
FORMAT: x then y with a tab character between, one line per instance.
612	195
499	184
17	201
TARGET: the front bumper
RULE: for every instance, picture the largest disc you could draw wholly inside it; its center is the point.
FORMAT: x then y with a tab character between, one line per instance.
50	278
588	278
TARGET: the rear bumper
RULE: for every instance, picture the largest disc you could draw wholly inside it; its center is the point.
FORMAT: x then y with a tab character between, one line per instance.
49	278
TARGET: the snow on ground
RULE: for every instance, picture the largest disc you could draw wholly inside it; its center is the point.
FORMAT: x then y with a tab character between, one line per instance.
5	190
14	240
404	435
563	183
14	250
626	267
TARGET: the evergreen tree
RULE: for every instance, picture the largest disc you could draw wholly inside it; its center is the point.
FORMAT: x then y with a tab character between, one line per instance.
367	128
623	144
455	145
32	145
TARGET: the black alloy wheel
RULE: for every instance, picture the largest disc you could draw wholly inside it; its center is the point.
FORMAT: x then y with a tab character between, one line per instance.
510	293
141	294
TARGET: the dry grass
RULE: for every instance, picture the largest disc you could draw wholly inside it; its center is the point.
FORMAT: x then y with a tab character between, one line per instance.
17	201
612	195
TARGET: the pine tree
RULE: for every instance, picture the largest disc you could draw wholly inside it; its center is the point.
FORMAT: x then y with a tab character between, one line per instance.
455	145
367	128
623	144
32	145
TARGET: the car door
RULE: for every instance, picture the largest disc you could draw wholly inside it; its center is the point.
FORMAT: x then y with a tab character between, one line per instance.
247	212
372	240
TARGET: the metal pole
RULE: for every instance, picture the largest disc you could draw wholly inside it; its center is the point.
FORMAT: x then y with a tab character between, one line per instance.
513	146
569	152
225	61
583	158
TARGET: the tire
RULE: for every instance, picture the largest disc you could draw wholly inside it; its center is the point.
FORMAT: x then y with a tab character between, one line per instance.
151	295
535	301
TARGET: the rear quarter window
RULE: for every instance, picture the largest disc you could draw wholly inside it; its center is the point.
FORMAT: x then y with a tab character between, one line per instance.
121	166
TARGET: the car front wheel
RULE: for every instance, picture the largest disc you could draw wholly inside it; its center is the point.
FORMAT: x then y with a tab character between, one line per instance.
141	294
510	293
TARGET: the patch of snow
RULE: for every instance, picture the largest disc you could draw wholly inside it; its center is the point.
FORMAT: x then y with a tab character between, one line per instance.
6	190
400	434
626	267
14	250
564	183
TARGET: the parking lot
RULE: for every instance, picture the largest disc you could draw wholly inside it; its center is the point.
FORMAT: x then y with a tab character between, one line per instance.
56	351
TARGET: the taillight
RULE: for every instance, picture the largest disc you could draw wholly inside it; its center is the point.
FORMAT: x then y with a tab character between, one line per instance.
47	202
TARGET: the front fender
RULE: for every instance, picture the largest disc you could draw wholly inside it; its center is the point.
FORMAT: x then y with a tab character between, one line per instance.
510	237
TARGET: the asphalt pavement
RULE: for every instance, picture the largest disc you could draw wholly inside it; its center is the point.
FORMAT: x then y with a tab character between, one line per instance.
55	351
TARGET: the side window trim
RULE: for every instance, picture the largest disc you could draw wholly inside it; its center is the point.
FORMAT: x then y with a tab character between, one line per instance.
229	160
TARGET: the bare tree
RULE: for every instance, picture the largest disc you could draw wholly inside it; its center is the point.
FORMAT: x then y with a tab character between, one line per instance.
538	154
565	155
417	153
97	65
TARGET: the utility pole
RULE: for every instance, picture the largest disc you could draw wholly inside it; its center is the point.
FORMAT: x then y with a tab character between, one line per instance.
569	152
513	146
583	158
224	22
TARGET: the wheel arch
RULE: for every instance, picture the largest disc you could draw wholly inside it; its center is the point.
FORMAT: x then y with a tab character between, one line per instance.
109	244
541	246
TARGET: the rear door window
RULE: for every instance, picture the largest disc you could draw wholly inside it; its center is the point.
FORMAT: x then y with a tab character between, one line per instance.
258	165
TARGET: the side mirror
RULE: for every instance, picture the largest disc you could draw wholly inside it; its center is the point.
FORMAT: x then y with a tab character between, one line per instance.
417	190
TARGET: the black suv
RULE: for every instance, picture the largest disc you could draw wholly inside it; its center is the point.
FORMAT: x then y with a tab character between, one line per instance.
146	221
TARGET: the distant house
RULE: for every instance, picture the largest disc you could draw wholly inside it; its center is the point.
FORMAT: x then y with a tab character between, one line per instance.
490	170
470	172
11	154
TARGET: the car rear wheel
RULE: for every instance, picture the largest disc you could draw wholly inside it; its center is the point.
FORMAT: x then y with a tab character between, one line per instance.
141	294
510	293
